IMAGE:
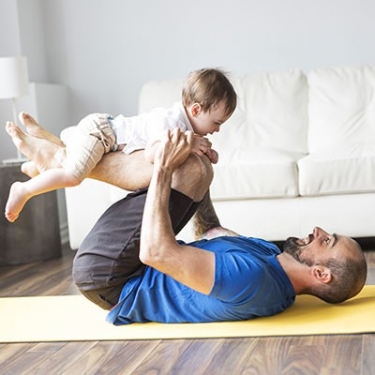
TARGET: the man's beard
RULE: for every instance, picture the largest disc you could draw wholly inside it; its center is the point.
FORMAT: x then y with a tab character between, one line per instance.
294	249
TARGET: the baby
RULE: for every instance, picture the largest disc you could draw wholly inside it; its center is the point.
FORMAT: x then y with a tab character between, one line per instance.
208	100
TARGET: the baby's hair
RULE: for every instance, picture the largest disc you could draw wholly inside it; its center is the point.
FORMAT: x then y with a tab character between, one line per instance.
209	87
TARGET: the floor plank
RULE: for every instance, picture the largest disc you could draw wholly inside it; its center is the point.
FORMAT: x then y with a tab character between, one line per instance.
335	362
303	359
368	354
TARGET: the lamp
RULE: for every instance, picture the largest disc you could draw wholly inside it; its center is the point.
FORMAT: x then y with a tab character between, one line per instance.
14	82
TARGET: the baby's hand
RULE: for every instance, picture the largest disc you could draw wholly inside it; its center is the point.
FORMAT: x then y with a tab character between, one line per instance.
212	155
201	145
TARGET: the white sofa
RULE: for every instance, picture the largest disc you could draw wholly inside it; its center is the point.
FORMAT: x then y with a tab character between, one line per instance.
298	152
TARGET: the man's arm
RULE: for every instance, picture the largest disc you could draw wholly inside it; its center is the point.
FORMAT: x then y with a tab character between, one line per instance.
189	265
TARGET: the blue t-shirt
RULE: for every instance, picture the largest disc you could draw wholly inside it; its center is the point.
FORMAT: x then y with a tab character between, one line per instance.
249	282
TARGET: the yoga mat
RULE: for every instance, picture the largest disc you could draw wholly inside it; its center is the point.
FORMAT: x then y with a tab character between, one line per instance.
73	318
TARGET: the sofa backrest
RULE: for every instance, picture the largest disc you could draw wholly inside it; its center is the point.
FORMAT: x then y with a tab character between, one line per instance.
271	111
341	107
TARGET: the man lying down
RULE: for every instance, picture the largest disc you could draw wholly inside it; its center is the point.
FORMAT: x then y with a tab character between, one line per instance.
131	264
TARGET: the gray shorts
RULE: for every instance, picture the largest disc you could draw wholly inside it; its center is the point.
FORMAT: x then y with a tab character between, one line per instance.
109	255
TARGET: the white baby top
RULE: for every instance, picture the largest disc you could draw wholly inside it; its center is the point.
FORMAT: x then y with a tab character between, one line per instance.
137	131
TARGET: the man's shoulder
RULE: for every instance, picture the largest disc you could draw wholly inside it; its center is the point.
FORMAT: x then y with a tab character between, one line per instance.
253	244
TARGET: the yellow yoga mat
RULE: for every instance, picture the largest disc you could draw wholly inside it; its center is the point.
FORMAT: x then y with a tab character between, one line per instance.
73	318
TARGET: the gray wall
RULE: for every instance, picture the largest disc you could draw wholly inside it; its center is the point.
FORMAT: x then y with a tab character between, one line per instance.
105	50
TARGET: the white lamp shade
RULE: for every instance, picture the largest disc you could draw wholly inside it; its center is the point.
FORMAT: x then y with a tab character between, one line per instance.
14	77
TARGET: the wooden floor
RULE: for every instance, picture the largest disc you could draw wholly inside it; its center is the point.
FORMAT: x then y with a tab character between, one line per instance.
349	354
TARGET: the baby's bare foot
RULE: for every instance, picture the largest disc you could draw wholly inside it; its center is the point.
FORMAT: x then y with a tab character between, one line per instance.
39	150
16	201
36	130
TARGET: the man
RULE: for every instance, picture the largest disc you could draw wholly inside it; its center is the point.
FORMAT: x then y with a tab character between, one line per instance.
148	276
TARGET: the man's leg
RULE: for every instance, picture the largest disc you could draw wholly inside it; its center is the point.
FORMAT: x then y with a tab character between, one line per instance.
109	255
206	223
36	130
40	151
130	172
205	218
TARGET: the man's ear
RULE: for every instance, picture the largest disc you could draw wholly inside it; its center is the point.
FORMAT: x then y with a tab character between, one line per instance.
195	109
322	273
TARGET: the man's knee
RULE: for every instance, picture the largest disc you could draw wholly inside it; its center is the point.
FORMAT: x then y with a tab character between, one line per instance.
193	178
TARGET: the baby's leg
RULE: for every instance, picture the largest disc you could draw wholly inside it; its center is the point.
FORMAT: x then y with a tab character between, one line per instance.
18	197
21	192
39	150
38	131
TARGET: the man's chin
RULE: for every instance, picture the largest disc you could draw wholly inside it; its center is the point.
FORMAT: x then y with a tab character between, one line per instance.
299	242
292	246
290	241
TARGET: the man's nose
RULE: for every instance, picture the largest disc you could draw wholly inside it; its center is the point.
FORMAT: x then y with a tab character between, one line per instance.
318	232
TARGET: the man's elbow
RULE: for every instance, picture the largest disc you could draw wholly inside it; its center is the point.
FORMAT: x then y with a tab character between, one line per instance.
150	255
156	255
145	257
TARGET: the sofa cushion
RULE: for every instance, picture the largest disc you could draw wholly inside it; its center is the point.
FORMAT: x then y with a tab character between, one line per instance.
341	107
338	171
271	111
257	173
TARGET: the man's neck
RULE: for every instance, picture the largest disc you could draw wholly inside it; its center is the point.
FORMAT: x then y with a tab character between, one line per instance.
297	272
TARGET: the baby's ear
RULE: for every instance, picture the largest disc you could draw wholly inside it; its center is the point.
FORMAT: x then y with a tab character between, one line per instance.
195	109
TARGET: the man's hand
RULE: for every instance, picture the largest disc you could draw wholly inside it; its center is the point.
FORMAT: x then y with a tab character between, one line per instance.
175	148
197	144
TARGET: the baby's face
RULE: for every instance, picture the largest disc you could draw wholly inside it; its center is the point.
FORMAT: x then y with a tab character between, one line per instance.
208	122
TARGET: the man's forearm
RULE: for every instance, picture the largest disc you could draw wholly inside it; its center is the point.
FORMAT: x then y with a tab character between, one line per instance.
157	233
157	237
159	249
